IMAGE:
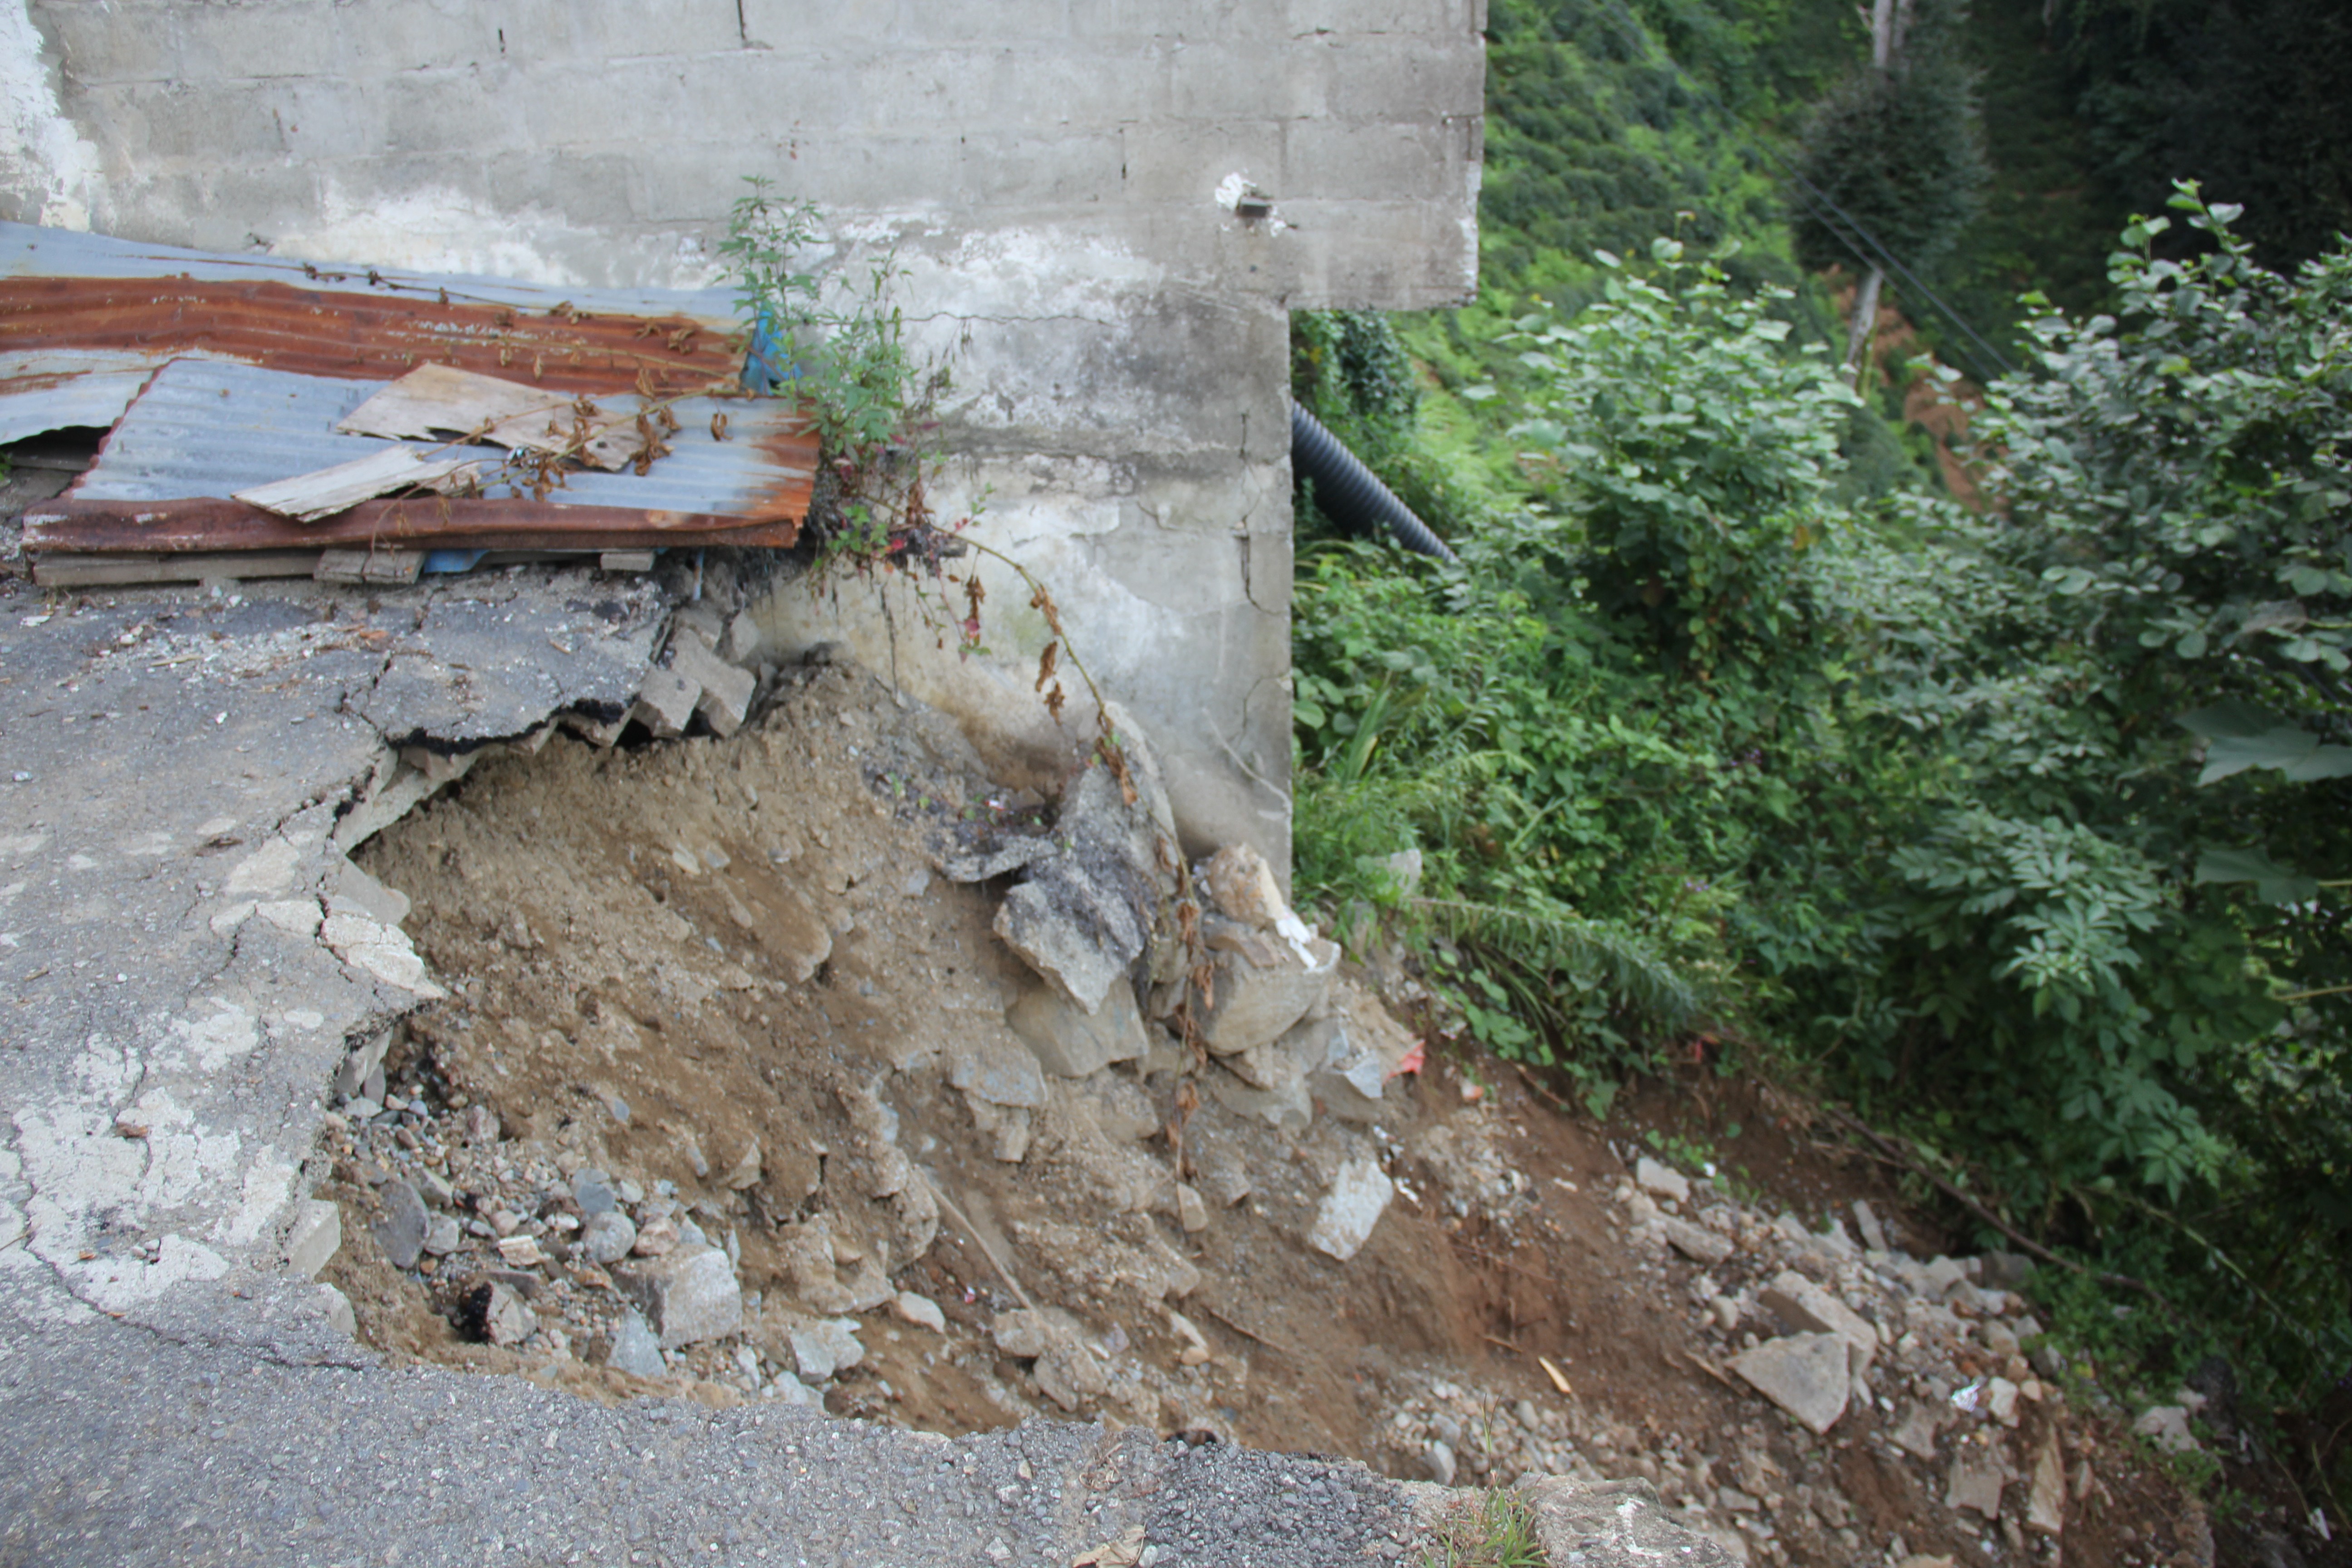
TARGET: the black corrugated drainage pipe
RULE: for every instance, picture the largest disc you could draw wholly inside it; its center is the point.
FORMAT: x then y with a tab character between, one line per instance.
1351	493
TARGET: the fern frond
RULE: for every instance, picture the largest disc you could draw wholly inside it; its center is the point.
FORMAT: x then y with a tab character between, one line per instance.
1556	940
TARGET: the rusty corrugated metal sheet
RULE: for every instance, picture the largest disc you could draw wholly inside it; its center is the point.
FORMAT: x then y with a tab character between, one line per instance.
204	430
253	360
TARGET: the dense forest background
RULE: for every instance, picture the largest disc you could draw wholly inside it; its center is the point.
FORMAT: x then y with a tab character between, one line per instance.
1962	734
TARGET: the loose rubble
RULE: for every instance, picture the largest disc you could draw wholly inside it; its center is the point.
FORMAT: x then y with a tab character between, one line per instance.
752	1088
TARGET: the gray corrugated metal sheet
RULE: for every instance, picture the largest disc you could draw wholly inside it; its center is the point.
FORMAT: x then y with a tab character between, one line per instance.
208	427
49	389
27	250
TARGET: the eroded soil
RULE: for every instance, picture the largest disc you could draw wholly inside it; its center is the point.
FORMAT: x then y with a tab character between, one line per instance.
719	982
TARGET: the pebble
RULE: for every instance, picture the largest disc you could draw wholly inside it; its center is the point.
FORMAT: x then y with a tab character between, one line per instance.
443	1234
656	1237
608	1236
921	1311
593	1192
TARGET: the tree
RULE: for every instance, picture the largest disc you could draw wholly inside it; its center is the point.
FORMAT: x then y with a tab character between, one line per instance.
1893	159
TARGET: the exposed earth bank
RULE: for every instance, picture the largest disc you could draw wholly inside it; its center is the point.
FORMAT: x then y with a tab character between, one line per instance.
737	1094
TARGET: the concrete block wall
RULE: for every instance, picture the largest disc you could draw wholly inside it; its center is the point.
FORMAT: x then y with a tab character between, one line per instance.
1048	170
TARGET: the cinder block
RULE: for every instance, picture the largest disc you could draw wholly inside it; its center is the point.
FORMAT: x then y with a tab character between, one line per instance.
1184	162
610	31
106	44
1036	167
389	36
952	89
328	119
1086	83
240	43
1405	80
807	23
207	124
1187	20
1253	79
1391	163
447	111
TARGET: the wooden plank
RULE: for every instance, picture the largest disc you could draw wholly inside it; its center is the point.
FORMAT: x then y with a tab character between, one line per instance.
435	400
307	498
381	568
55	570
200	524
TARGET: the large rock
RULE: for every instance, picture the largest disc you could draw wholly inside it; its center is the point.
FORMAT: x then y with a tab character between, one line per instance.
992	1066
1244	888
1303	1050
400	1227
1254	1001
1068	1373
1084	915
1369	1048
1071	1042
1613	1524
1808	1375
1360	1194
1805	1307
688	1295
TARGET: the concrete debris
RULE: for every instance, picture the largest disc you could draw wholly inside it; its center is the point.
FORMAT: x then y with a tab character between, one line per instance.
1805	1374
1613	1524
1083	916
316	1236
1804	1306
1254	1000
1358	1196
722	692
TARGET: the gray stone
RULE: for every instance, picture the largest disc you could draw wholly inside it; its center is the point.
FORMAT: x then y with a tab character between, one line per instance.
400	1227
1865	1220
1805	1374
665	703
825	1348
1914	1434
634	1350
337	1308
1439	1457
2166	1426
723	691
1190	1212
1980	1470
993	1065
1663	1180
443	1234
2004	1271
1069	1373
1942	1276
688	1295
1290	1108
507	1320
1360	1194
1805	1307
608	1236
1254	1004
1071	1042
1083	916
316	1236
2046	1498
1301	1052
1614	1524
593	1192
1696	1241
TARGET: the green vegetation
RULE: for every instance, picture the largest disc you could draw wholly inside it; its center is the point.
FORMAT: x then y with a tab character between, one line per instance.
1496	1531
2027	834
